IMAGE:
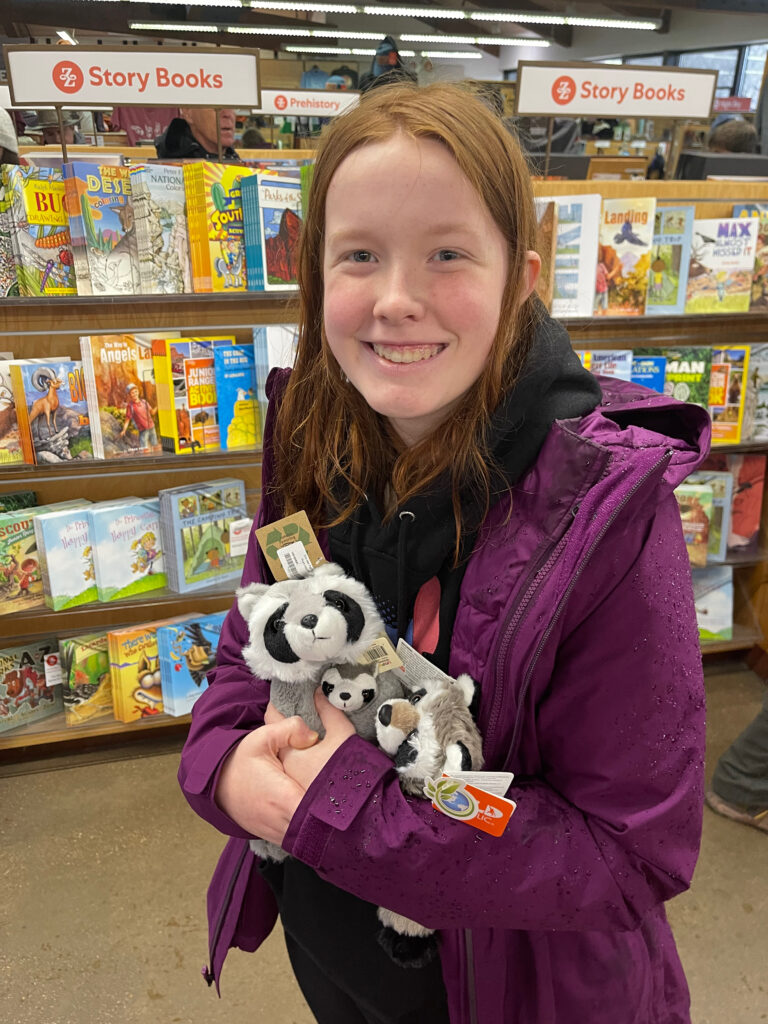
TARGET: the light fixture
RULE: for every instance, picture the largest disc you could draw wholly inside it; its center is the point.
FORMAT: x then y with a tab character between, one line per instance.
170	26
341	51
476	40
287	5
66	37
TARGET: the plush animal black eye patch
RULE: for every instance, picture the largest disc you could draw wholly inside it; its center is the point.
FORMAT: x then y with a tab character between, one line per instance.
351	611
274	637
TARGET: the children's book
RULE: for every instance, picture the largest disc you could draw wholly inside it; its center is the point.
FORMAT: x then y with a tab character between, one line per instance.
127	550
85	678
649	371
686	372
9	285
608	363
52	411
713	597
722	498
215	225
624	256
121	393
187	652
727	393
755	424
12	501
196	522
695	503
239	414
24	695
159	203
273	251
135	672
670	258
759	296
274	345
578	223
546	243
748	472
306	174
10	441
721	265
187	403
66	557
42	244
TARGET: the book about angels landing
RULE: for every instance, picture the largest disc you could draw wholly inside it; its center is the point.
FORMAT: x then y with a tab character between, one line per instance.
722	260
624	256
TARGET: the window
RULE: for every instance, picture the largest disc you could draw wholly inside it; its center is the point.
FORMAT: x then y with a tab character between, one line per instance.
724	62
653	59
752	71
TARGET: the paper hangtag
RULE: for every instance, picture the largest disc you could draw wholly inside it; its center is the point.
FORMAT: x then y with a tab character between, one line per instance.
382	654
290	547
53	676
416	667
239	532
491	782
462	802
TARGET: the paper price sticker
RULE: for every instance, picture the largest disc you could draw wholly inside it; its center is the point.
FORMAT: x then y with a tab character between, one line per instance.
294	560
457	799
53	676
382	654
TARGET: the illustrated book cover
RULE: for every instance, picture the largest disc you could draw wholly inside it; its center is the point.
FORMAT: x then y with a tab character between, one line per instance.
65	555
12	501
695	504
728	393
159	204
649	371
10	441
24	695
713	598
135	671
617	363
721	265
85	678
102	224
127	550
546	243
722	499
215	225
187	652
122	397
687	372
239	413
41	239
51	410
755	424
273	247
575	257
624	256
758	300
670	259
9	285
748	472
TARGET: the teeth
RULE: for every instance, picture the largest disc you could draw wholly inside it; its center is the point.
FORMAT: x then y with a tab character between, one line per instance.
411	354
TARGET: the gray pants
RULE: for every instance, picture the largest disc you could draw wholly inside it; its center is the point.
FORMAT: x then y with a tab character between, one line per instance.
741	775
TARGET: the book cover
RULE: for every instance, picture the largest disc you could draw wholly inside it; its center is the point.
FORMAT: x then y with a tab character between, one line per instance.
254	260
135	671
279	203
41	240
727	393
187	652
624	256
759	296
128	554
196	523
99	205
187	403
748	472
687	372
239	414
10	439
670	259
721	265
12	501
122	397
306	174
24	695
159	203
578	223
66	557
85	678
546	244
9	285
52	411
608	363
695	504
713	598
215	225
273	345
755	425
722	498
649	371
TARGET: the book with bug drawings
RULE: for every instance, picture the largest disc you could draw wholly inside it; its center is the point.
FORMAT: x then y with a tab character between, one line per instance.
187	652
40	235
51	410
85	678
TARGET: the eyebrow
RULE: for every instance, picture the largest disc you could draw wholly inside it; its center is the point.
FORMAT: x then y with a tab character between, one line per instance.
355	234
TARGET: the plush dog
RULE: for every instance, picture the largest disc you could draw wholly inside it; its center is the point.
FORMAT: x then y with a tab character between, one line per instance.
429	733
359	693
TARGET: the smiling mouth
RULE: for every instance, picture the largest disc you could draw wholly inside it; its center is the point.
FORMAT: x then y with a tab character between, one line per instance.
407	353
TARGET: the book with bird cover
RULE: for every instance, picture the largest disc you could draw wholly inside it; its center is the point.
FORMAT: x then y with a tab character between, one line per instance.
187	652
721	265
624	256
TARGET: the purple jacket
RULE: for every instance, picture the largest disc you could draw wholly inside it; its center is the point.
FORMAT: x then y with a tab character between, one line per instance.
576	617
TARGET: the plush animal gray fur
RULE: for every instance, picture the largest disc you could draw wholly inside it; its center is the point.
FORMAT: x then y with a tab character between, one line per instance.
359	693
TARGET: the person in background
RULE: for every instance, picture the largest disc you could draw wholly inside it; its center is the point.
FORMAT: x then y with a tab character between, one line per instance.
192	135
733	136
9	146
739	789
386	67
49	130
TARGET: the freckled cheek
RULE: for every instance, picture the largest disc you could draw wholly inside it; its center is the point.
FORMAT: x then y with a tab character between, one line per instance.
344	310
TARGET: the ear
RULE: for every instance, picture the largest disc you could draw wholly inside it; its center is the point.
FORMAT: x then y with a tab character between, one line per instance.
466	685
530	275
248	597
329	570
457	758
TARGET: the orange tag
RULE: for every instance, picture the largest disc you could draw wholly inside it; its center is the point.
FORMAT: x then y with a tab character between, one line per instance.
479	808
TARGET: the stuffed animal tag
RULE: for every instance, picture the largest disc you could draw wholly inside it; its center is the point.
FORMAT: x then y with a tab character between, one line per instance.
381	654
290	547
417	668
463	802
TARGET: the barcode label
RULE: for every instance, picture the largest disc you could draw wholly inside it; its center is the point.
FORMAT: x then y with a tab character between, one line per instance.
294	560
382	654
375	653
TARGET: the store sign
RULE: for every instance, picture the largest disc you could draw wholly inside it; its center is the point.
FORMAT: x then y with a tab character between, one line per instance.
81	76
733	104
306	102
612	90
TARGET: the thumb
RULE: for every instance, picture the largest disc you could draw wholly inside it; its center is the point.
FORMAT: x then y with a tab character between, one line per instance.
292	732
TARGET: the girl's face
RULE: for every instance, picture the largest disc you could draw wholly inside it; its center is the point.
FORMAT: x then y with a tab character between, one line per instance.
414	273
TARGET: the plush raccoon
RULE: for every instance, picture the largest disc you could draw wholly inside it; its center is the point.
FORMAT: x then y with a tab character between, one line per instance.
359	692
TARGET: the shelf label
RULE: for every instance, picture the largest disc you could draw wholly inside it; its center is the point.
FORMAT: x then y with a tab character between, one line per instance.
306	102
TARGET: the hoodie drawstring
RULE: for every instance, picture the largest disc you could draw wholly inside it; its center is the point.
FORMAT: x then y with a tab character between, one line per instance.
354	546
402	591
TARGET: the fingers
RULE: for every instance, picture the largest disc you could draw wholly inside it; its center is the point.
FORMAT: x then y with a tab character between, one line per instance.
291	732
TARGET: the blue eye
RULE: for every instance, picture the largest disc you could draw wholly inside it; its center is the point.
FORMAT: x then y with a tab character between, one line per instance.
361	256
447	256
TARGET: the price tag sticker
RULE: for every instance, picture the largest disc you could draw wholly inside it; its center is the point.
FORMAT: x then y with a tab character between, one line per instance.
239	532
382	654
53	674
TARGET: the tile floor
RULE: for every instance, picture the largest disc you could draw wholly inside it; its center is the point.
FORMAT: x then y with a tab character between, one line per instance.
103	870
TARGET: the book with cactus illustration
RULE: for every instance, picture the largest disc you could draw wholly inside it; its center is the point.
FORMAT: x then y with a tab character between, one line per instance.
127	549
215	224
40	235
51	410
195	523
239	413
66	557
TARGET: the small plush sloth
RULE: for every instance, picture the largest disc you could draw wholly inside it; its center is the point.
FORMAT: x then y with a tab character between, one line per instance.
429	733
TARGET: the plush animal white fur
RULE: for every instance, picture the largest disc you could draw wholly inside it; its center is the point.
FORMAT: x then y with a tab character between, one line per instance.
359	693
428	733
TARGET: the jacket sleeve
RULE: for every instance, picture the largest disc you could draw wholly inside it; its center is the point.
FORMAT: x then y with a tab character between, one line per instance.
609	827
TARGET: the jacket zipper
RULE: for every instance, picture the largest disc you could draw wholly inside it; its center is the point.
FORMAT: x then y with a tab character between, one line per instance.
469	955
507	639
208	971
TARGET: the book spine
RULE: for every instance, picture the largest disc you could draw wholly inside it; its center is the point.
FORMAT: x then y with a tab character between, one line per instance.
42	561
91	397
22	415
166	408
197	228
254	270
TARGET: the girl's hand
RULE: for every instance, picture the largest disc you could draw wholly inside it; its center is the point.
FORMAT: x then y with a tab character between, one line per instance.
253	788
302	766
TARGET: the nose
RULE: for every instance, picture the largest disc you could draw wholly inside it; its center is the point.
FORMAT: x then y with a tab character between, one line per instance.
309	621
398	297
385	714
344	696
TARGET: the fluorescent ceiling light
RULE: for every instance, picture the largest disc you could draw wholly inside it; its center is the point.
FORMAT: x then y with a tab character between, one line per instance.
415	12
477	40
320	33
287	5
170	26
511	18
341	51
63	34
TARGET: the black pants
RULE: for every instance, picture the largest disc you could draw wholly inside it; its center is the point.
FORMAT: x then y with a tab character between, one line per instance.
343	973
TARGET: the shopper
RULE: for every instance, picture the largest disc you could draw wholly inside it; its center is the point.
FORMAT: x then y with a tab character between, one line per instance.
740	784
733	136
48	128
453	454
193	135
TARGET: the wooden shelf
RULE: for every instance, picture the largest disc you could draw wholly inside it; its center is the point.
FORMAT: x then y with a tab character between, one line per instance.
744	639
54	730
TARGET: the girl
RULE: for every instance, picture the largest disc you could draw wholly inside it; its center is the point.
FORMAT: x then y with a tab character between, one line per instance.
514	522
